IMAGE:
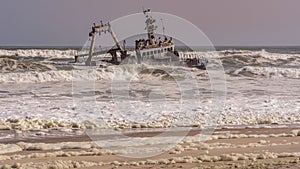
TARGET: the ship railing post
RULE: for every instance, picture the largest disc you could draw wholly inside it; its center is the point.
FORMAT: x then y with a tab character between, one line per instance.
138	56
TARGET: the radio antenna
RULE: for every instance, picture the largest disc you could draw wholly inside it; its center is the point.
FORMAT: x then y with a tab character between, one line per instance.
142	3
162	22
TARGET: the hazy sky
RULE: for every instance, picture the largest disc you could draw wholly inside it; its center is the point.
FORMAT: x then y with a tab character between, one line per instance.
226	22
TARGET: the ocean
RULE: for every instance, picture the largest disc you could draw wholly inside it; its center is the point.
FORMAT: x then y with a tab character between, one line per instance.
39	85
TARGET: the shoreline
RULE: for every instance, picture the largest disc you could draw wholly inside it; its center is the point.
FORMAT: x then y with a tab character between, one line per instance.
143	132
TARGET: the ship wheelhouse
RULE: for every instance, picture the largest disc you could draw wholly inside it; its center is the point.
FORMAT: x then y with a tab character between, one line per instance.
156	53
152	48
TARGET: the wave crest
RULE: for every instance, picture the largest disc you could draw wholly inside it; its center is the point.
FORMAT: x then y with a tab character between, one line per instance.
270	72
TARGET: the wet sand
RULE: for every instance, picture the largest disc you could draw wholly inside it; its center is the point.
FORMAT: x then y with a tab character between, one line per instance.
276	147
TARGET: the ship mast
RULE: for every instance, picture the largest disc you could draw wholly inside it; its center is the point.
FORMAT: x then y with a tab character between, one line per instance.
150	26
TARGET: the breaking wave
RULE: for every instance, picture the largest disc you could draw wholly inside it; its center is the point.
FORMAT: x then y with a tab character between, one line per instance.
47	53
11	65
270	72
124	72
259	57
49	65
261	64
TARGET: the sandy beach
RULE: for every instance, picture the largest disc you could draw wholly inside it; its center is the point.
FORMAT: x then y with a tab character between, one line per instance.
268	147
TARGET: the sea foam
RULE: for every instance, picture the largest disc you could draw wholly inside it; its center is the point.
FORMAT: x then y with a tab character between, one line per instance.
270	72
47	53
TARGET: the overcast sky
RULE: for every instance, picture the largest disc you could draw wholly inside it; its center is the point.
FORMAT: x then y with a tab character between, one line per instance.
225	22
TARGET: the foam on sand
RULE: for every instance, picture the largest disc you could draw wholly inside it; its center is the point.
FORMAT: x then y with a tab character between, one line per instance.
35	124
9	148
56	146
221	150
60	164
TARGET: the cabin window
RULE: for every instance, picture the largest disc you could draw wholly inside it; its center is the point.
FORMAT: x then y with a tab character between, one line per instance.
162	50
144	53
148	53
158	51
165	49
151	52
155	52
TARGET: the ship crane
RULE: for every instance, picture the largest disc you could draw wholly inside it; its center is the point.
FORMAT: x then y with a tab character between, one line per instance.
103	28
